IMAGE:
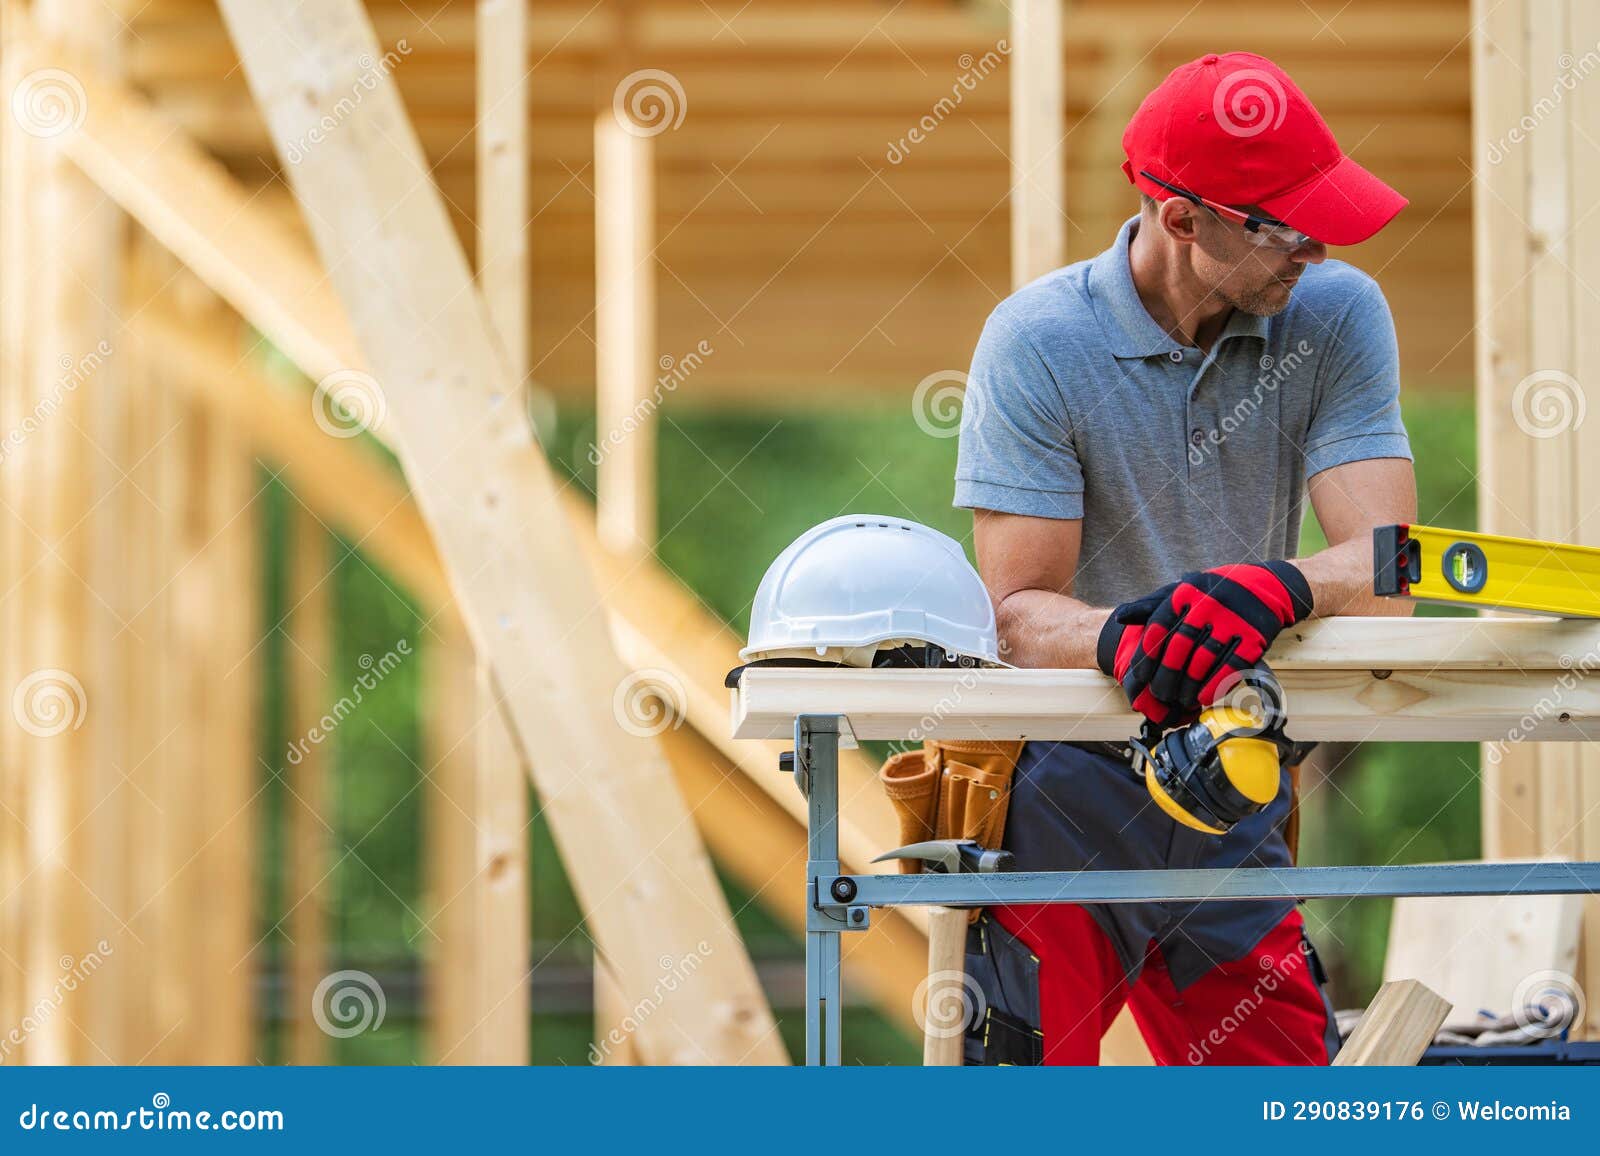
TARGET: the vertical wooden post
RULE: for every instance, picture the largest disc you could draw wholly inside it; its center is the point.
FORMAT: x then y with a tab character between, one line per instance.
501	932
153	449
226	864
625	335
1538	370
1038	170
16	236
74	833
309	655
450	690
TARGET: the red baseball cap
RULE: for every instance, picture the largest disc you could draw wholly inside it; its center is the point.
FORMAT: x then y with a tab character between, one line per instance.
1233	128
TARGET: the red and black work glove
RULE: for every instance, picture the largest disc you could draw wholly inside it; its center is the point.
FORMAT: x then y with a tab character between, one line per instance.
1173	650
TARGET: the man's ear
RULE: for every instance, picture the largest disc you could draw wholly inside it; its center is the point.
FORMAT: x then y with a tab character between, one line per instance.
1179	220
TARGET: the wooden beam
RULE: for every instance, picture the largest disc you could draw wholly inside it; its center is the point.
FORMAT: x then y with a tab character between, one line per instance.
1332	704
1038	184
625	333
502	943
306	812
1397	1028
225	865
637	866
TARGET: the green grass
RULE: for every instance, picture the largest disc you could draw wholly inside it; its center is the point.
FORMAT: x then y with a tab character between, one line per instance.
735	488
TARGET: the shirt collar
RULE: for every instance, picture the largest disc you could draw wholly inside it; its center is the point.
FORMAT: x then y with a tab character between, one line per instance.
1129	328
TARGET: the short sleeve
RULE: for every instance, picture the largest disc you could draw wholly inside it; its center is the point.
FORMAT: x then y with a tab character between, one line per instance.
1357	415
1016	453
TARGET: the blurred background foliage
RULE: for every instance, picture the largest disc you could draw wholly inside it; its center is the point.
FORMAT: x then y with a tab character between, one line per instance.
736	486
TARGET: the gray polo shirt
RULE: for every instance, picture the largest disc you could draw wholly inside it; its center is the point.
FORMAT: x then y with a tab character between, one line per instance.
1080	406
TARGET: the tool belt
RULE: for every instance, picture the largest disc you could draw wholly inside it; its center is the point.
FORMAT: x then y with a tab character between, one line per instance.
961	789
951	789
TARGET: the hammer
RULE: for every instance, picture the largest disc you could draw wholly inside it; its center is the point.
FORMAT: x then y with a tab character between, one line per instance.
947	939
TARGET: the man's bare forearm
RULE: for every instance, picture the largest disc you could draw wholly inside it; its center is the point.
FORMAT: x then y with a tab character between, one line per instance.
1040	628
1341	582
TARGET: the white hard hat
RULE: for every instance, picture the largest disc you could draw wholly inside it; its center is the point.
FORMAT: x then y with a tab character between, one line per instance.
862	583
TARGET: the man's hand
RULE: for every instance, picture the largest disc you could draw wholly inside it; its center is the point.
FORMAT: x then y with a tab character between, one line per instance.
1172	650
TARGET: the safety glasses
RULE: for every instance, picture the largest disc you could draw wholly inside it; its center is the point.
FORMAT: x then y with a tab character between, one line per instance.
1264	231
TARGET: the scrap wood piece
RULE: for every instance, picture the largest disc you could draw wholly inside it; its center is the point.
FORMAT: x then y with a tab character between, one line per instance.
640	871
1399	1025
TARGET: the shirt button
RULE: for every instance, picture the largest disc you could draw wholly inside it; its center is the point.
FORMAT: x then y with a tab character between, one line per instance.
1176	355
1197	436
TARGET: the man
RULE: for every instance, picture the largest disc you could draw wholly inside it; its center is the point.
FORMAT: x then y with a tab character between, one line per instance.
1142	429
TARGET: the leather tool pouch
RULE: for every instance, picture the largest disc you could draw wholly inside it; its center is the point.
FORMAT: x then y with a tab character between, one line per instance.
951	789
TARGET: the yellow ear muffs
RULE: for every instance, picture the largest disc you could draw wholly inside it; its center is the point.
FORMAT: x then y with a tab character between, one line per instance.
1213	773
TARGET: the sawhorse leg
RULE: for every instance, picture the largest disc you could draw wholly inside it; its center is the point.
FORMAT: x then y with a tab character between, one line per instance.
816	752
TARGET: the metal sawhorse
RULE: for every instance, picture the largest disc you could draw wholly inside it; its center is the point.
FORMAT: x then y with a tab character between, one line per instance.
838	903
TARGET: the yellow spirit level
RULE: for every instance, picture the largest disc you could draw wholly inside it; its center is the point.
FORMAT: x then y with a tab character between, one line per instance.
1454	566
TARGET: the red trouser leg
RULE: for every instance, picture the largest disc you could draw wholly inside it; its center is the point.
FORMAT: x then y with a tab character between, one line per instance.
1081	982
1263	1008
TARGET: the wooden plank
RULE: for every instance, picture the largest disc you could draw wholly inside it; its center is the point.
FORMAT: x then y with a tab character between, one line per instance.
1582	834
489	497
1503	259
1397	1028
1038	190
1477	951
625	331
450	690
224	869
71	268
1081	705
502	943
16	323
309	838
